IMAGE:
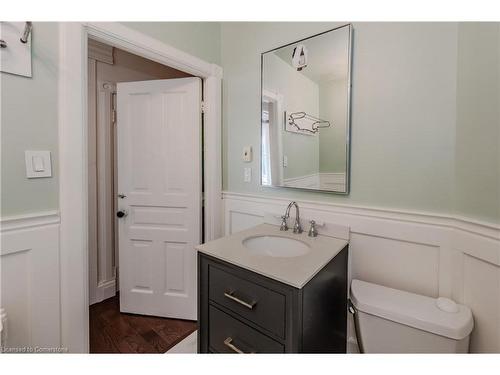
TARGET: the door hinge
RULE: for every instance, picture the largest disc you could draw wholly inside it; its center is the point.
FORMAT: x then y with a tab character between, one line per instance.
203	107
113	108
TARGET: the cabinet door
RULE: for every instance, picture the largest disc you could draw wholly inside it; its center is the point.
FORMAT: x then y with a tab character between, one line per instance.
228	335
260	305
284	311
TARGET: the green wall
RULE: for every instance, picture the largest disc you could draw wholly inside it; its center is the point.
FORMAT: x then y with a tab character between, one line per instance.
29	122
332	106
201	39
299	94
477	187
425	113
29	108
403	110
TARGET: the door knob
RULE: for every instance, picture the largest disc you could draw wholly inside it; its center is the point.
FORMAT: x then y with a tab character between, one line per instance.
122	213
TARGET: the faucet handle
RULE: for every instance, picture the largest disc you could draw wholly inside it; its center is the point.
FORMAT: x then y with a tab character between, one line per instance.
313	232
297	228
284	225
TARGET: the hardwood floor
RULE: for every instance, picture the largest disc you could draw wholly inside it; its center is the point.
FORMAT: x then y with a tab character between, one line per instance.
114	332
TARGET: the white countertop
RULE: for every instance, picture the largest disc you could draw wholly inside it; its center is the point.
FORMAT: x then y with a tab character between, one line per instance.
294	271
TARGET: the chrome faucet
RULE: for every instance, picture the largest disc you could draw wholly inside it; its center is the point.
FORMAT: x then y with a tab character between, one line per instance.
297	228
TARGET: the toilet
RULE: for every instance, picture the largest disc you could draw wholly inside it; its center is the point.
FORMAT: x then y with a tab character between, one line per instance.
394	321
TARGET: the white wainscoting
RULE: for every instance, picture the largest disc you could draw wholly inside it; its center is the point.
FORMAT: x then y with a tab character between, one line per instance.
428	254
323	181
310	181
418	252
30	281
332	181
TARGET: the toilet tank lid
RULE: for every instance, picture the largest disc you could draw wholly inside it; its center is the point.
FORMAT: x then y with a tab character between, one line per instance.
411	309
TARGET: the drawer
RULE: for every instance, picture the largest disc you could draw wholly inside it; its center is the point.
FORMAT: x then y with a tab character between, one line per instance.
229	335
260	305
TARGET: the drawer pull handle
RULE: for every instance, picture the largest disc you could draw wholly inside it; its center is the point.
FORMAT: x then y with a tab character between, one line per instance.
229	343
232	297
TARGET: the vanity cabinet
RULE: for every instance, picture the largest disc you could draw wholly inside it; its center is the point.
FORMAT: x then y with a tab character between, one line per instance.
240	311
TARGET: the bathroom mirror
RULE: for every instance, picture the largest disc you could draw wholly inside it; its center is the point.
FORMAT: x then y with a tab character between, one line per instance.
305	114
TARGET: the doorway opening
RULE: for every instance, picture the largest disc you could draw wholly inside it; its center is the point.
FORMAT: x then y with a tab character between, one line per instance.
130	222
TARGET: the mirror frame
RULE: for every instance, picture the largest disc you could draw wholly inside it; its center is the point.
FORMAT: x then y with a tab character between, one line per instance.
348	114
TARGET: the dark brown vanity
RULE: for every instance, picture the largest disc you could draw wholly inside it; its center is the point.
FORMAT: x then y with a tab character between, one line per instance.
240	311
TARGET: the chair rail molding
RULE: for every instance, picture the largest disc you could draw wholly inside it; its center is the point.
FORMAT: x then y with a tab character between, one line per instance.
425	253
473	226
73	187
31	220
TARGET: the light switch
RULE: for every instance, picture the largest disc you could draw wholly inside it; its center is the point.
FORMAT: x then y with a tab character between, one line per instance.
285	161
38	164
247	154
247	175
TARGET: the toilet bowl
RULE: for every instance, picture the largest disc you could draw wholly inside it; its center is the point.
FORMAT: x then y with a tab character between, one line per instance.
394	321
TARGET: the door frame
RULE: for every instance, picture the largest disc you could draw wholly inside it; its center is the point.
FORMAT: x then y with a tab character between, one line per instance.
278	100
73	176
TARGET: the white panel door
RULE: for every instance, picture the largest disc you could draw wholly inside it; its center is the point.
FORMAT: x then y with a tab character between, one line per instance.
159	172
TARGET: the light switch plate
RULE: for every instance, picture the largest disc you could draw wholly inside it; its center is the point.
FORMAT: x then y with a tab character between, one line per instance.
247	154
38	164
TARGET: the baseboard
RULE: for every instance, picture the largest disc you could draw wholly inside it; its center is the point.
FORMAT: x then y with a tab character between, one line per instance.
104	290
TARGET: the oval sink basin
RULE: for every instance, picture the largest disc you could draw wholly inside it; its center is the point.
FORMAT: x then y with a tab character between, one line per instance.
276	246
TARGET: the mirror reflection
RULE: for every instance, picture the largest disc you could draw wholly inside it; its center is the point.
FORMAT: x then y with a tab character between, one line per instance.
305	113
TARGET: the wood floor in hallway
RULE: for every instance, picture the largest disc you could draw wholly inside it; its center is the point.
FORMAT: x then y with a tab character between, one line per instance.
114	332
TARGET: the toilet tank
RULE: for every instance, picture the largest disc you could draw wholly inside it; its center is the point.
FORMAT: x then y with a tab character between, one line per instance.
394	321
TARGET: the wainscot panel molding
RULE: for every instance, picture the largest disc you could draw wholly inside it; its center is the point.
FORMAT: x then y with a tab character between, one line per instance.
30	289
425	253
